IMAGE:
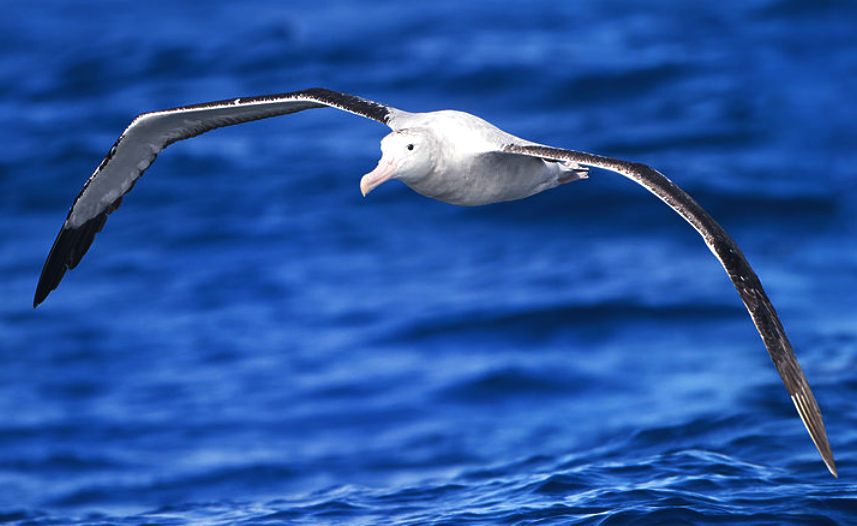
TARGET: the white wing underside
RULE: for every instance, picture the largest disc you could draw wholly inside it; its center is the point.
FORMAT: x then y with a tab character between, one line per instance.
148	134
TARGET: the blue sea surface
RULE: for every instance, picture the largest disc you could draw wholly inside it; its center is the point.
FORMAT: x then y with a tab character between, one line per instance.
250	341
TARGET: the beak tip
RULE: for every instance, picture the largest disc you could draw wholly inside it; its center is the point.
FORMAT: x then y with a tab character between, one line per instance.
382	173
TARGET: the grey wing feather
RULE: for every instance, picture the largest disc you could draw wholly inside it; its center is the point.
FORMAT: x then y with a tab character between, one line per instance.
737	267
146	136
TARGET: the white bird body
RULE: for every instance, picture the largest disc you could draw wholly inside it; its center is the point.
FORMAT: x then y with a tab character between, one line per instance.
492	177
469	166
448	155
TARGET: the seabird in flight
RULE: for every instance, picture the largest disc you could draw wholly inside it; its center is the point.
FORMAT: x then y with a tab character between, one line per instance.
452	156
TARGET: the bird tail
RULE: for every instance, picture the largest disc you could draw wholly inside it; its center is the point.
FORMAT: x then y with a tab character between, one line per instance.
571	171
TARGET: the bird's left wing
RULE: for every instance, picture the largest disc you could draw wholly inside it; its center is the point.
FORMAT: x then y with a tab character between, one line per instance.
730	256
143	140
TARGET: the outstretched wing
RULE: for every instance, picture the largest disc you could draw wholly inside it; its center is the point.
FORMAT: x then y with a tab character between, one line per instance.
742	275
148	134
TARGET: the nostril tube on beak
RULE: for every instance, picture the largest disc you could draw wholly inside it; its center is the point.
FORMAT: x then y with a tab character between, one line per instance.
382	173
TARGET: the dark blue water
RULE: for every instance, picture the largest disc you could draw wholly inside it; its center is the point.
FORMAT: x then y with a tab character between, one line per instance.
252	342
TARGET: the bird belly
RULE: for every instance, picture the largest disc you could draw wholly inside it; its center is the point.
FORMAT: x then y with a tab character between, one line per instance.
491	178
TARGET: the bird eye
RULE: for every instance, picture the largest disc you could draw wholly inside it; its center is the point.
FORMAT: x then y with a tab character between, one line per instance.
410	147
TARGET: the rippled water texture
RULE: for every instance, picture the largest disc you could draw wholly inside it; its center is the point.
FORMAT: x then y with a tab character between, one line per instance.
250	341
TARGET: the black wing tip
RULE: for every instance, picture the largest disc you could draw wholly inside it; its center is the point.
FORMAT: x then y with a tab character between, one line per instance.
831	466
56	265
826	454
823	447
68	249
810	415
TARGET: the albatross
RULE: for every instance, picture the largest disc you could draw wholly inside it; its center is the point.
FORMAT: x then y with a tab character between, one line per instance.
447	155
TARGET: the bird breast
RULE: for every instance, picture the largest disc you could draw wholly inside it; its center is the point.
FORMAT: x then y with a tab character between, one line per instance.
488	177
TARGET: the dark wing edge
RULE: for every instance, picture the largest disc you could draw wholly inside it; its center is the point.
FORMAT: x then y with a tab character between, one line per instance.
73	241
324	97
740	272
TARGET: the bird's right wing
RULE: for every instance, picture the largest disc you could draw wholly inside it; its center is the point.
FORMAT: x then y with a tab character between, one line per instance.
143	140
736	265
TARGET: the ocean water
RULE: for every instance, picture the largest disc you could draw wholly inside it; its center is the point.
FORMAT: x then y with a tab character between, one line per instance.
250	341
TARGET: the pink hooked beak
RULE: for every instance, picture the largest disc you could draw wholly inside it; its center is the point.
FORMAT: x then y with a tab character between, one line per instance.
382	173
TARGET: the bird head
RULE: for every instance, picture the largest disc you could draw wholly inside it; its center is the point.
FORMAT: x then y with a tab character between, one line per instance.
406	155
